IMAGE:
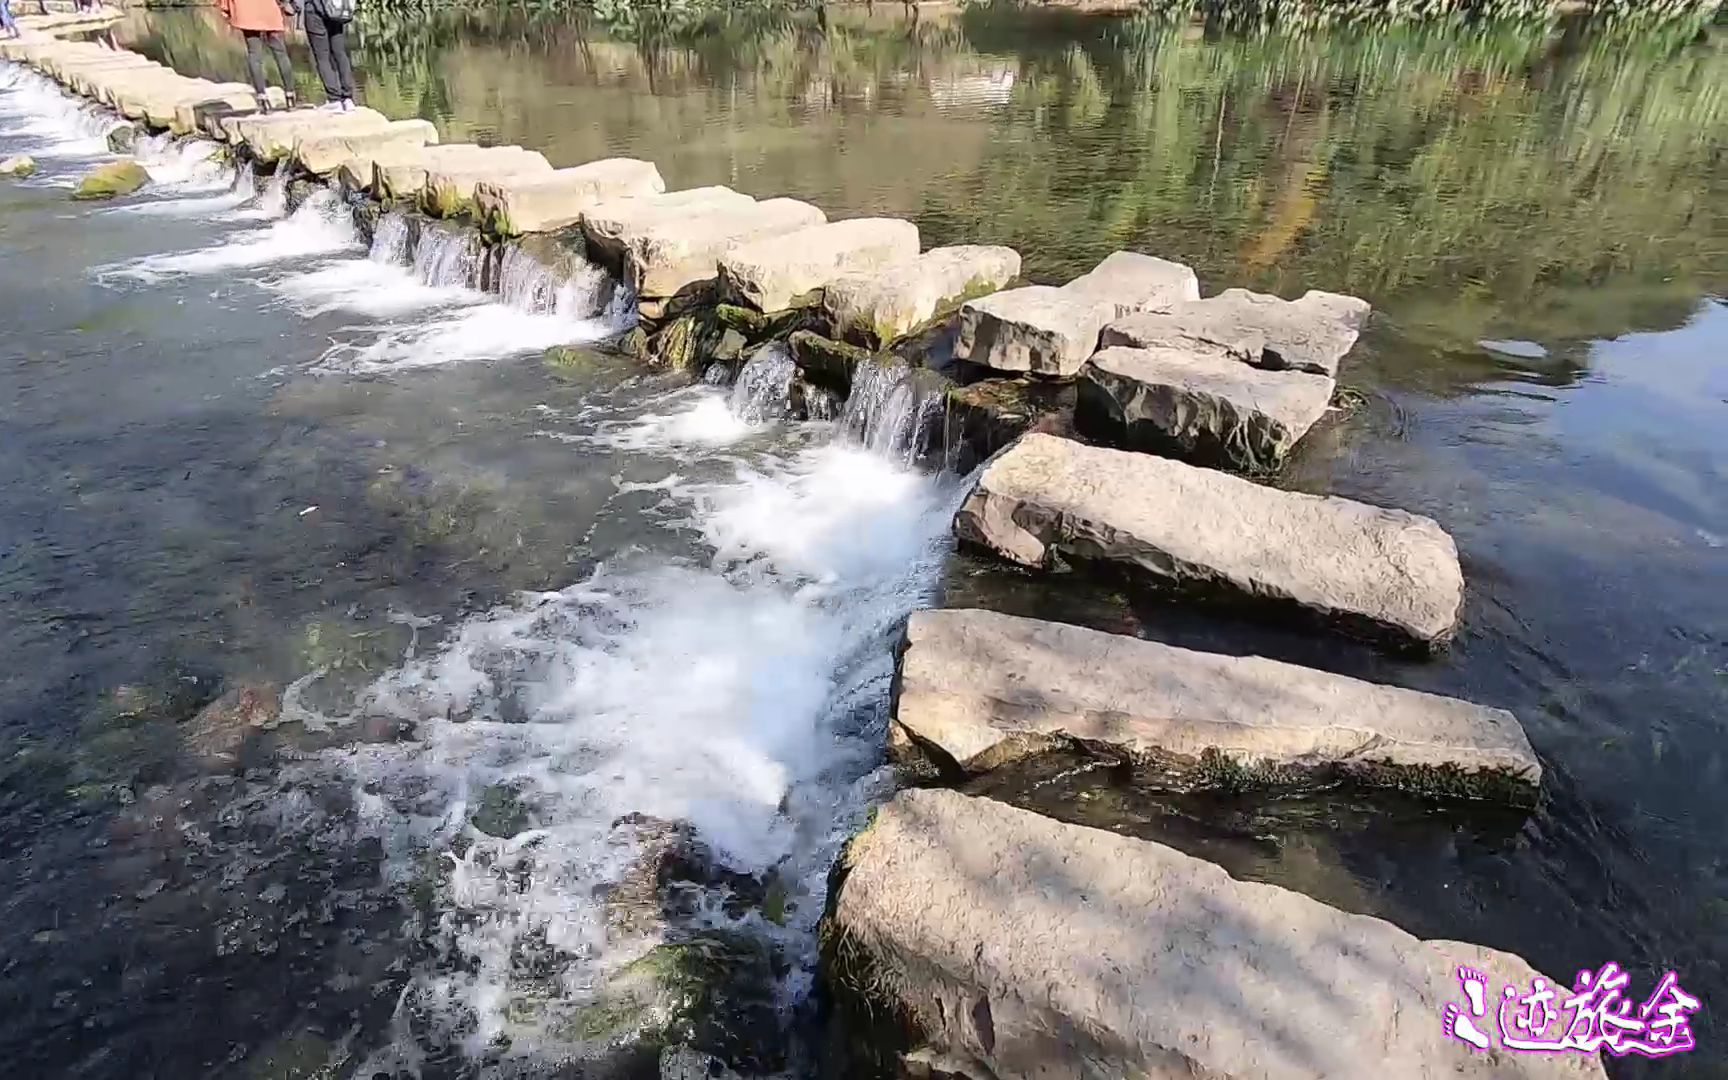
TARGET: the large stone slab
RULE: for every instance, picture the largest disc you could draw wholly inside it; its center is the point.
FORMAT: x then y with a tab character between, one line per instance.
399	175
668	256
1198	404
983	689
1036	328
610	226
530	204
449	190
321	154
1384	574
1134	282
873	309
1310	334
1053	330
1019	948
779	272
271	136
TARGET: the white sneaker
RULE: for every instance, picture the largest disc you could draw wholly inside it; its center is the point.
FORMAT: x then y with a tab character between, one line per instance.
331	106
347	104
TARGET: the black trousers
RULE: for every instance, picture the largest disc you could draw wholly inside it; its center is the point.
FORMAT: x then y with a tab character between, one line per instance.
256	40
329	41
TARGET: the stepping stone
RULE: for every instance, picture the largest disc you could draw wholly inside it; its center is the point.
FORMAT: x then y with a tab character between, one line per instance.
271	136
1198	404
873	309
1052	331
775	273
1134	282
1019	946
668	256
400	175
610	226
449	190
1310	334
1384	574
530	204
323	155
984	690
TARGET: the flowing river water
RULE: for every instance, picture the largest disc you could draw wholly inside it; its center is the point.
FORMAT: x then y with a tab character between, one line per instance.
521	609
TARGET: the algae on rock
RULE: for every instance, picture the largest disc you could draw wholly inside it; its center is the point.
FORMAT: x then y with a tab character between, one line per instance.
108	181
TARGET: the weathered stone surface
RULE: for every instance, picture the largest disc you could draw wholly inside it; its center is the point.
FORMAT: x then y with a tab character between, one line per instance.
530	204
449	191
400	175
18	165
271	136
1134	282
1199	405
1386	574
216	738
322	155
1037	328
609	226
122	138
1028	948
873	309
775	273
209	114
1310	334
985	689
121	177
667	256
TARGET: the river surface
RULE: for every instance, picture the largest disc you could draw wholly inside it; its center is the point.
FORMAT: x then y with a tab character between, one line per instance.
515	609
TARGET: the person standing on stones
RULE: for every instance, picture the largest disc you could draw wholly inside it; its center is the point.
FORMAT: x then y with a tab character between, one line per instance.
327	32
262	23
7	26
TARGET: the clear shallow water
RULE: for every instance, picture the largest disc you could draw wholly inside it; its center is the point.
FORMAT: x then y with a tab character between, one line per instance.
619	595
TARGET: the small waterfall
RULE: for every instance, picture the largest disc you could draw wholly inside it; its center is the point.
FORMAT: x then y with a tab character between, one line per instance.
821	404
572	287
763	389
448	257
391	240
892	410
273	200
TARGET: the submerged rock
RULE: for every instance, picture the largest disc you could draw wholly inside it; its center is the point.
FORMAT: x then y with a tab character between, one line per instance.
985	416
982	690
18	165
1386	574
1199	405
122	138
826	363
111	180
215	738
1007	945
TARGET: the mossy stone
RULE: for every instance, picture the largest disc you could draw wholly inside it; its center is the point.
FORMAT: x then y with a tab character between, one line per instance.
114	179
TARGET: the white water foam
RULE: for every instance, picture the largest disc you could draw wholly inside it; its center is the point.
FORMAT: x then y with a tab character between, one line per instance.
321	226
50	123
534	308
743	694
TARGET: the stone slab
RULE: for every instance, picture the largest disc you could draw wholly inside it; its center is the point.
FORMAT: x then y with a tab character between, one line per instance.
609	226
1134	282
985	689
400	174
1310	334
547	203
322	155
1040	329
1021	947
873	309
1384	574
1198	404
670	255
449	190
271	136
779	272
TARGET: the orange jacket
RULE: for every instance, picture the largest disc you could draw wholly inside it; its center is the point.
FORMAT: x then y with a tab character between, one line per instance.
253	14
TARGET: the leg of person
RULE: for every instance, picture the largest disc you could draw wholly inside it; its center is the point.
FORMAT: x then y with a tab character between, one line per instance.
318	38
344	66
284	67
255	60
6	23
